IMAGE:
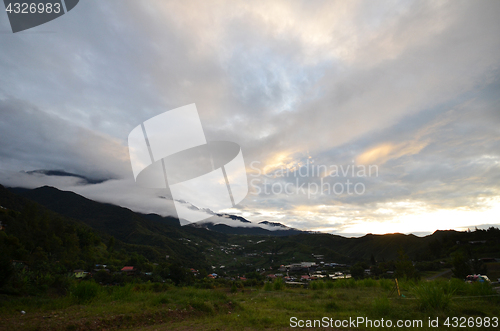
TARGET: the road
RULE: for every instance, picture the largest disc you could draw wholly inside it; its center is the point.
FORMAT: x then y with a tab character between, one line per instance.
439	274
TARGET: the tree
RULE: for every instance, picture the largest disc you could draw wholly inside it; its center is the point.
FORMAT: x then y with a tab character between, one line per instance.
111	244
478	266
6	270
404	267
461	265
203	273
357	271
179	274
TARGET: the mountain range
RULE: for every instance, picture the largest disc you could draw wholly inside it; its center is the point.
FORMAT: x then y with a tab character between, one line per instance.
209	243
104	216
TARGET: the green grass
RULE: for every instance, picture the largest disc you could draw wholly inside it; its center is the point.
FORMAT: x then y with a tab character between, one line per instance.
149	307
85	291
433	296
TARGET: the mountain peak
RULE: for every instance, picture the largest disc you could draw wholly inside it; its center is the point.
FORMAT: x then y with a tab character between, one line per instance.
275	224
234	217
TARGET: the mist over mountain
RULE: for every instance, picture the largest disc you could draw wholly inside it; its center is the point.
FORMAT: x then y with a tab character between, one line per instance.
155	237
232	224
113	218
62	173
234	217
276	225
254	229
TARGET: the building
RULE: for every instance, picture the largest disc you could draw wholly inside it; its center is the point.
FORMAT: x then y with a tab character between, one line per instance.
129	270
301	266
79	273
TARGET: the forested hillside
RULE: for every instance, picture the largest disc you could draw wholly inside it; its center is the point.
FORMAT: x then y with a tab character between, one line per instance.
48	233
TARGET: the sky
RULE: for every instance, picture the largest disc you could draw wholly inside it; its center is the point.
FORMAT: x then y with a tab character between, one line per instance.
353	117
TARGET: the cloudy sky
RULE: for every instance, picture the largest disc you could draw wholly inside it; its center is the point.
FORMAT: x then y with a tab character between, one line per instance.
310	91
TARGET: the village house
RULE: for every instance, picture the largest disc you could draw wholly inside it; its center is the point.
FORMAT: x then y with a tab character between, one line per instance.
78	273
129	270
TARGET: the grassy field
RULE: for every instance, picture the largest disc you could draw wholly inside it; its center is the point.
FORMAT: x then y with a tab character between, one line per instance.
157	307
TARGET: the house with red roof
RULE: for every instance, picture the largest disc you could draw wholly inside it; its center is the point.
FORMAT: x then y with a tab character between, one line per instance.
130	270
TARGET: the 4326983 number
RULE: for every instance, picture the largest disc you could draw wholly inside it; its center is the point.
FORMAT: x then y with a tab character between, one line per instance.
32	8
469	322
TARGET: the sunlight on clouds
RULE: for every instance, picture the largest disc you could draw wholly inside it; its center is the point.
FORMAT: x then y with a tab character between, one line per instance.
281	161
488	160
341	80
332	30
305	208
417	220
330	34
382	153
375	155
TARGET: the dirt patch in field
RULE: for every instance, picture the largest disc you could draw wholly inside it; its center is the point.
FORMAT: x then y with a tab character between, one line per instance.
77	320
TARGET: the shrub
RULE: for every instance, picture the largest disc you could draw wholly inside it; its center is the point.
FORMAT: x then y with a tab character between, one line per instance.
345	283
121	292
62	283
381	306
432	296
278	284
234	289
478	288
386	284
202	306
317	285
161	299
329	284
85	291
159	287
368	282
454	286
6	269
205	284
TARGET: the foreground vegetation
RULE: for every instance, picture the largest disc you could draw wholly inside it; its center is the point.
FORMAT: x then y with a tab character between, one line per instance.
170	286
153	306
